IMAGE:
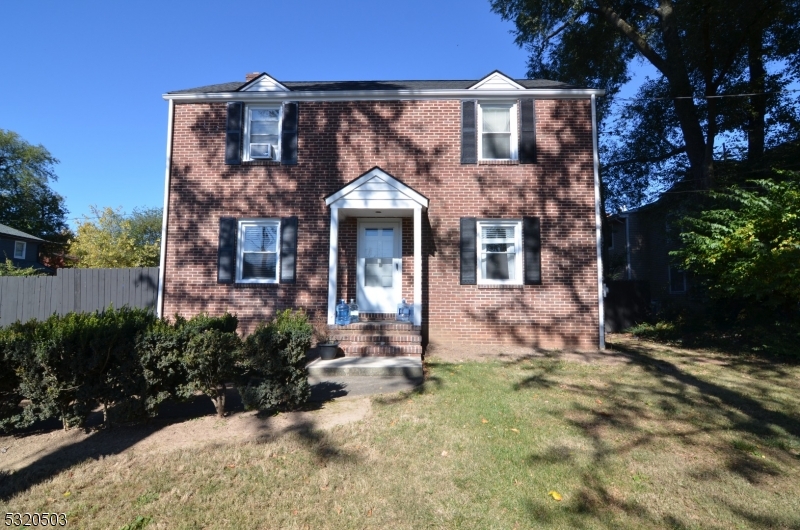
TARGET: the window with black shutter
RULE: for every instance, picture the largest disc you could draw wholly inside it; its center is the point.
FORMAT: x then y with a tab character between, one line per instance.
261	132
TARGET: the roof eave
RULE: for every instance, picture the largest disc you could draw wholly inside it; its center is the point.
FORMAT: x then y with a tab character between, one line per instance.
378	95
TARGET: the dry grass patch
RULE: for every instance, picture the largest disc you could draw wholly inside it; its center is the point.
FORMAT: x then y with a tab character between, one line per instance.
668	438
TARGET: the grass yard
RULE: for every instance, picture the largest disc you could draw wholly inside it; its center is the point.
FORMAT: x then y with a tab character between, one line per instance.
653	437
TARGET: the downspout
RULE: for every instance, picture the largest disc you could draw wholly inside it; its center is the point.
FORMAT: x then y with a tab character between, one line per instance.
163	261
628	247
598	227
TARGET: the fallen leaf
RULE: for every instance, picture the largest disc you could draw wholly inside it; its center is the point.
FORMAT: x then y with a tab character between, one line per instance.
556	495
515	430
338	510
230	466
369	512
444	453
484	420
67	494
294	512
599	402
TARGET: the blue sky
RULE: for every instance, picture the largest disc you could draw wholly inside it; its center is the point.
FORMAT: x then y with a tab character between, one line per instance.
85	78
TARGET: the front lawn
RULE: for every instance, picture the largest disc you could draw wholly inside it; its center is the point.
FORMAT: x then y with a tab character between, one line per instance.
653	437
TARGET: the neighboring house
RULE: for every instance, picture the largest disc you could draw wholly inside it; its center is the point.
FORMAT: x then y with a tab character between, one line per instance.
638	243
475	201
21	248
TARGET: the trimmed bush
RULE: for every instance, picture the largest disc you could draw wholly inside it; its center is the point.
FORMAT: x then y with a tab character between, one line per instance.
160	353
212	357
275	374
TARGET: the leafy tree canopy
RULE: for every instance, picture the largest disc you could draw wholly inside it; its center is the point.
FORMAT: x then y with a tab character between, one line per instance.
703	52
747	246
26	201
113	239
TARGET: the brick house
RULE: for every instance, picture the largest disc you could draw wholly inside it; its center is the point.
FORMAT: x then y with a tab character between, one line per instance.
475	201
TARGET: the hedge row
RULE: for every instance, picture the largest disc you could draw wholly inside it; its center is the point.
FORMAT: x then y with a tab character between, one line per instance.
128	362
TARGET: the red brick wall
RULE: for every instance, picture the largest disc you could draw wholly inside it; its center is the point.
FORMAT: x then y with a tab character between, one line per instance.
419	144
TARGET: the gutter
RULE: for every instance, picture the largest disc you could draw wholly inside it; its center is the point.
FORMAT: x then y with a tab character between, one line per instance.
383	95
598	228
163	261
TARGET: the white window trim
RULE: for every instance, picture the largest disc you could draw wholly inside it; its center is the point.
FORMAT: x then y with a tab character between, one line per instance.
246	132
669	276
240	249
518	266
513	125
24	249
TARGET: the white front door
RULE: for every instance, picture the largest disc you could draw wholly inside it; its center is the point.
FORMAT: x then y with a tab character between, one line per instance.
379	266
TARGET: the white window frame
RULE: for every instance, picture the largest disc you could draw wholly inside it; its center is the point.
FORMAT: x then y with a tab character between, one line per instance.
24	249
246	157
518	265
240	250
669	278
513	125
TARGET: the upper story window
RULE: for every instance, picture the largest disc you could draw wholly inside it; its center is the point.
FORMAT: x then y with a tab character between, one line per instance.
500	258
259	251
262	133
19	249
497	131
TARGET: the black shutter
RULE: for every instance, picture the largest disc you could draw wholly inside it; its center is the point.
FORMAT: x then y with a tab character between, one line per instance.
288	250
226	251
469	253
289	134
532	248
233	134
469	138
527	134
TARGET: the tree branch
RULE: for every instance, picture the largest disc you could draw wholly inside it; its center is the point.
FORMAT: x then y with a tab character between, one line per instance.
630	32
647	160
565	25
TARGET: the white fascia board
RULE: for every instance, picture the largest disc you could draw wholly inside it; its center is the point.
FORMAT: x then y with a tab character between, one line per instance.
385	177
384	95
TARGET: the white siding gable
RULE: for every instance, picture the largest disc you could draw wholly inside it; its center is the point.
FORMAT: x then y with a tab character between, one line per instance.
264	83
497	81
379	189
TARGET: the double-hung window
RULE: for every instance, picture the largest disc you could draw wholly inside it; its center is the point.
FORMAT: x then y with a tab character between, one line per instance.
499	246
19	249
262	133
497	135
258	251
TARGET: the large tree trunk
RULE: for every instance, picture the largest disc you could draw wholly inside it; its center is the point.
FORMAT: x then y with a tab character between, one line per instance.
758	104
681	89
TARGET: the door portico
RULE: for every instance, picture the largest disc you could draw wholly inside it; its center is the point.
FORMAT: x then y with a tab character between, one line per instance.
378	200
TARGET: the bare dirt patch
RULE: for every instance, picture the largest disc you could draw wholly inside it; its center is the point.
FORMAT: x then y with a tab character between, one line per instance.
164	436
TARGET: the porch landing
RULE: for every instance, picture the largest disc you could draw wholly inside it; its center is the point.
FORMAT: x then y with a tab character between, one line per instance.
408	367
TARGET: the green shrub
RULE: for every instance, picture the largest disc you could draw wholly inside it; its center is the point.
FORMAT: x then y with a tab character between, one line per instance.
276	376
212	356
10	396
160	353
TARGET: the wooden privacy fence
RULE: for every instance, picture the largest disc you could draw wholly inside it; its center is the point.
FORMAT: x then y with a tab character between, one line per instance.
79	290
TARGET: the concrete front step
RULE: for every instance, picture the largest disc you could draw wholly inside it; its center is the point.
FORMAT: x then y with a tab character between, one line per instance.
410	367
360	350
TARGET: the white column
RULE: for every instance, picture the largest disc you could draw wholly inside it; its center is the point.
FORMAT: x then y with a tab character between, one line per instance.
417	266
333	260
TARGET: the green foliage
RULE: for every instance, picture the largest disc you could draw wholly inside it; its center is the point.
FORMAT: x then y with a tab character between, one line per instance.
116	240
212	357
160	352
129	362
8	268
26	201
748	246
276	376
